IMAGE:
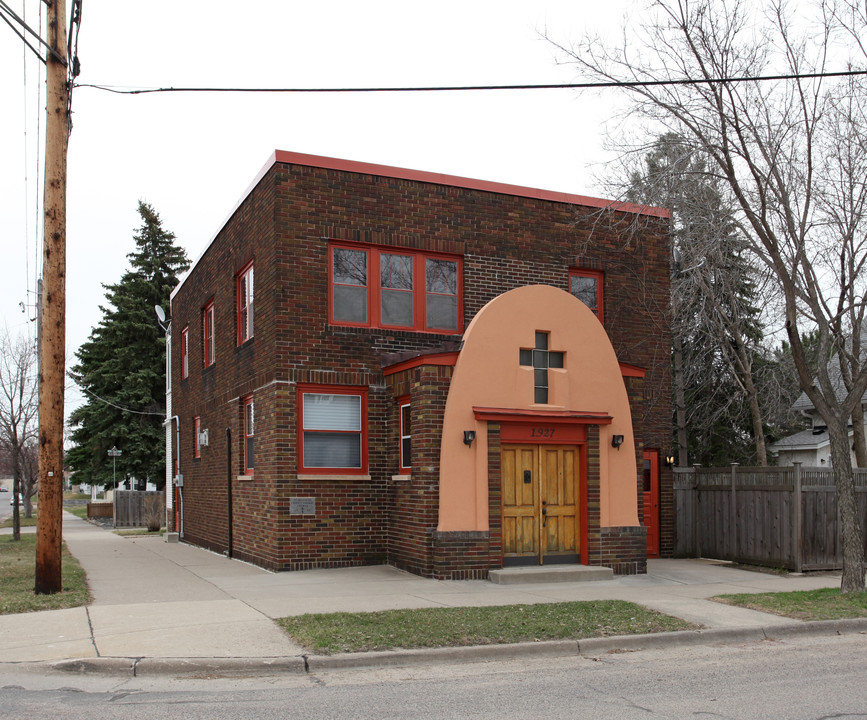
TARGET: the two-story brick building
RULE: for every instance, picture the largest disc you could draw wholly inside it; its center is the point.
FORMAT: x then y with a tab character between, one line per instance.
379	365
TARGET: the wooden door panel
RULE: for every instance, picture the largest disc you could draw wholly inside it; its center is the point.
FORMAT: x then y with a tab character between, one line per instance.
540	501
560	476
520	516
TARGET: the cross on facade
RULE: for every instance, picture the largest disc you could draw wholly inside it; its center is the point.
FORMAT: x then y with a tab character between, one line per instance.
540	358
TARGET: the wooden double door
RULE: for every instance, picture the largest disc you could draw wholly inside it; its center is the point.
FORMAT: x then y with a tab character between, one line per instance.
540	504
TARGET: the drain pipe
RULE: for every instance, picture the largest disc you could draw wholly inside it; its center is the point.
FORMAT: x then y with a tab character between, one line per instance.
229	519
177	421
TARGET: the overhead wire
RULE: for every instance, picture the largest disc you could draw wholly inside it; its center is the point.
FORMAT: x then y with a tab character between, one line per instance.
6	10
460	88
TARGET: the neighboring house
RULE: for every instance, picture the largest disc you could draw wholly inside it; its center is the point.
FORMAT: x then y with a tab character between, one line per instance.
378	365
812	447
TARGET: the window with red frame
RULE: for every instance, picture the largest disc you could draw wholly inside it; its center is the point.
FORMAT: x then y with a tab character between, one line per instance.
208	334
405	420
245	304
197	428
249	435
394	288
586	285
333	429
185	353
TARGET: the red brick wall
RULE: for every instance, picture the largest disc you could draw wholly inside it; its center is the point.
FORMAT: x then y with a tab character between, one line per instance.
284	226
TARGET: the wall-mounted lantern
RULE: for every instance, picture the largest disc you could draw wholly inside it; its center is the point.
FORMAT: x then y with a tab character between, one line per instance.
469	436
616	441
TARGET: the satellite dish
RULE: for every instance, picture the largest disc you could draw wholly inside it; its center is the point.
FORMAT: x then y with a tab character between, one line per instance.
161	315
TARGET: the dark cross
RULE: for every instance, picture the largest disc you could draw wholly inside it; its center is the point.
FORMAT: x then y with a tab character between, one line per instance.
540	358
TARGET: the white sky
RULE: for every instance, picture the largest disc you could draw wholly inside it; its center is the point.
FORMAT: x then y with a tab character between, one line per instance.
193	155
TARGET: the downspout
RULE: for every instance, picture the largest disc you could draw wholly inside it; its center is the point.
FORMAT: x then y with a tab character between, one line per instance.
177	422
229	519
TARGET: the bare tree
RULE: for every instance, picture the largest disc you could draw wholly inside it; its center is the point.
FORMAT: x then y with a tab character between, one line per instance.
788	153
18	417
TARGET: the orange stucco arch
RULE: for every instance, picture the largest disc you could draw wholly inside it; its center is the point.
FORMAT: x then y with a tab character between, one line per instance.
488	374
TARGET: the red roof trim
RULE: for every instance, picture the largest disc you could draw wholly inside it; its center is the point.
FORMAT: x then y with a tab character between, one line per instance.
449	358
627	370
364	168
522	415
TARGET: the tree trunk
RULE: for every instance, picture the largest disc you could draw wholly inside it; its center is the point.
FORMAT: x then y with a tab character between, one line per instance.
851	531
756	417
680	403
858	439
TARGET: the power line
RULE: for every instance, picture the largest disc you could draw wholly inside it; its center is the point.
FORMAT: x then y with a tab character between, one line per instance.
119	407
462	88
6	10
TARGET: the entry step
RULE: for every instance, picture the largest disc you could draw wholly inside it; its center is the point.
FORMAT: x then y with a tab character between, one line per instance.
549	574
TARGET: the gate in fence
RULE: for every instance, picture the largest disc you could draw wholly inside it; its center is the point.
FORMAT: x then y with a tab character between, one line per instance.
784	517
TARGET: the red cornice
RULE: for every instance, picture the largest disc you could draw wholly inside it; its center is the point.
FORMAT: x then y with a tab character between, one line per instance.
364	168
521	415
449	358
627	370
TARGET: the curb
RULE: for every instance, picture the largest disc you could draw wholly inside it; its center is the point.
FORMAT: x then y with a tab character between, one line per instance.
307	664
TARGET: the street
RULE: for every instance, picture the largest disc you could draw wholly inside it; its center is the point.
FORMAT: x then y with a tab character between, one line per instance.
799	678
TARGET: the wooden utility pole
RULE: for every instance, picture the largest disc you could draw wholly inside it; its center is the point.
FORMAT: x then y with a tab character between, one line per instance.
52	360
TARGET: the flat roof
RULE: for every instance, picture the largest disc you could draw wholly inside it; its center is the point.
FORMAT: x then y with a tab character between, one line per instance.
364	168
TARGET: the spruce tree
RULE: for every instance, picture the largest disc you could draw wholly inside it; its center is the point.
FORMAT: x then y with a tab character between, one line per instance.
715	316
121	367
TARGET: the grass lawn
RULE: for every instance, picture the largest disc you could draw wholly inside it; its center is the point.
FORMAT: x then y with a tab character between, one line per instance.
77	510
18	573
823	604
25	522
444	627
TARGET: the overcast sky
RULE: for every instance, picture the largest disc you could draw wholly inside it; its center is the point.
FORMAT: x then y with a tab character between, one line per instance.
192	156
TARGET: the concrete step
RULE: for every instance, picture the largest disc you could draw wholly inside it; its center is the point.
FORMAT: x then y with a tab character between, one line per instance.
549	574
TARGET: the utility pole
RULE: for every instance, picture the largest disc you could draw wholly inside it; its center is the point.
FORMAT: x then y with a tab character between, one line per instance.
52	361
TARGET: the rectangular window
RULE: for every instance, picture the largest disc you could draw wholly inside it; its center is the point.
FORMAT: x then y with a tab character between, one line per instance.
333	429
395	283
441	286
389	288
185	353
405	435
586	285
208	334
249	435
244	293
349	286
197	428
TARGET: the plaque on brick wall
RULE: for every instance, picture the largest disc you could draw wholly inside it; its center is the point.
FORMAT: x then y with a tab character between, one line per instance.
302	506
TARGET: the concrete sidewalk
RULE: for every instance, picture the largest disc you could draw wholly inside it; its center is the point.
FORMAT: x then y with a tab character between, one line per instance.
172	606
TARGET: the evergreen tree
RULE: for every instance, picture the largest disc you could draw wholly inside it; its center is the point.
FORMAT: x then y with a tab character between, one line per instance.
121	367
715	319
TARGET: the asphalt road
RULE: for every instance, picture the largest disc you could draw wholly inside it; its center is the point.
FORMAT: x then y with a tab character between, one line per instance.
799	678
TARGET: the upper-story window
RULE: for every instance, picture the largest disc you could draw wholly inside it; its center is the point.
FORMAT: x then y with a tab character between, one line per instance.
395	288
586	285
185	353
208	354
244	293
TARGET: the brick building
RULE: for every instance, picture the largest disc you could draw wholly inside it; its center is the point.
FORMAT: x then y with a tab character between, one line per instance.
378	365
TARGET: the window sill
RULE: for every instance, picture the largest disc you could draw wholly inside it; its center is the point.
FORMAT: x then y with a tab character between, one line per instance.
331	476
402	477
244	477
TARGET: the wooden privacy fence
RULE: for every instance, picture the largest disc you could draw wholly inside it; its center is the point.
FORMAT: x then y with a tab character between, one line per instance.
783	517
131	507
